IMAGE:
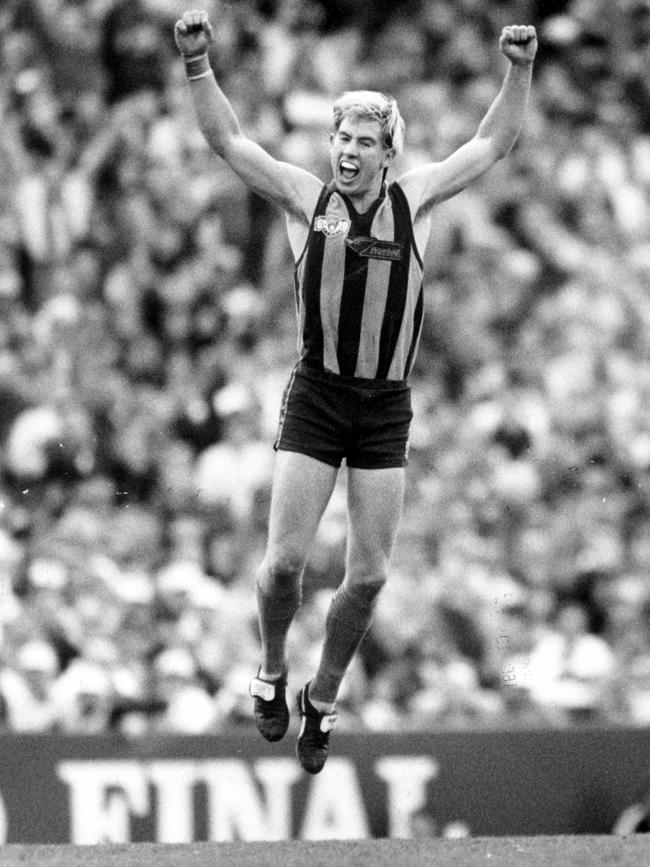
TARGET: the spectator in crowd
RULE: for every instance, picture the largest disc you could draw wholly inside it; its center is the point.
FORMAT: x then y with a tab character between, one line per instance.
571	669
187	706
84	697
27	689
231	473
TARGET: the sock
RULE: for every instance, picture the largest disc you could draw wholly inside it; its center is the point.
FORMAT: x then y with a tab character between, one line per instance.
263	674
348	619
321	706
275	613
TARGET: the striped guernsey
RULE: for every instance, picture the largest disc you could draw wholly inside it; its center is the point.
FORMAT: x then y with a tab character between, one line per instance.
359	289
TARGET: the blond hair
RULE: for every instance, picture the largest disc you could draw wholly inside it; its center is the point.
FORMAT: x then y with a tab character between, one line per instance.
372	105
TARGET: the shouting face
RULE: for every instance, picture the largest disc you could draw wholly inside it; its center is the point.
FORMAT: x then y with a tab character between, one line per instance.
358	158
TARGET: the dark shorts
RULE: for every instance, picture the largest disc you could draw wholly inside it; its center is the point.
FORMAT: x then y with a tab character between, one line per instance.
329	418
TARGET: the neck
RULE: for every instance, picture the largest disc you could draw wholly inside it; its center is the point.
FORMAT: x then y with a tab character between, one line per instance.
363	201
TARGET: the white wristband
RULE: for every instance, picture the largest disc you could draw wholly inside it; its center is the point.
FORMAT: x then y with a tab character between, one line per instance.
200	75
196	66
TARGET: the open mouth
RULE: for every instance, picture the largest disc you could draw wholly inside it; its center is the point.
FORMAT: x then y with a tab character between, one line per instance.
348	170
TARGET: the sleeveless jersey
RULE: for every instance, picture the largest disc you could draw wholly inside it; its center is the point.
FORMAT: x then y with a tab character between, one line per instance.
358	285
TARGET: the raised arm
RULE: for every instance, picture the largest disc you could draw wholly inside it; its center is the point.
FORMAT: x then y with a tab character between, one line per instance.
292	188
497	133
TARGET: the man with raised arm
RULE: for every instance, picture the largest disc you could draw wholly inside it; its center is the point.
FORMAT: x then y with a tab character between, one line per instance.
358	244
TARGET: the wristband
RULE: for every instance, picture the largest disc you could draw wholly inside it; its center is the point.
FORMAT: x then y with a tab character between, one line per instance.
200	75
197	66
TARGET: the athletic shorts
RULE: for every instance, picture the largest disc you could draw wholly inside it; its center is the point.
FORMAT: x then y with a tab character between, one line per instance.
331	418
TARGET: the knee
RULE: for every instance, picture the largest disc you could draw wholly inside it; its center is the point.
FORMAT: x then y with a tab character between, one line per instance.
368	572
280	574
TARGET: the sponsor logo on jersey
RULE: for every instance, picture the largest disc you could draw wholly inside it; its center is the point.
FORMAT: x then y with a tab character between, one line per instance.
374	248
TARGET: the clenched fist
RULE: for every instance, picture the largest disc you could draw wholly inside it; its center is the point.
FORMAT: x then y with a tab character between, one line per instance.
519	43
193	33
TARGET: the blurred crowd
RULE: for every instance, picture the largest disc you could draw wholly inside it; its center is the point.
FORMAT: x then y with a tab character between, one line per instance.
147	329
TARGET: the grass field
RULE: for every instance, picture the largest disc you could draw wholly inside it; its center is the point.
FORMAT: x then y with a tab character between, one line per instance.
558	851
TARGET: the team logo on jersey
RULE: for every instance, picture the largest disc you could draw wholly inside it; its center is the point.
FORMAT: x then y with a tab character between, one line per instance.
332	226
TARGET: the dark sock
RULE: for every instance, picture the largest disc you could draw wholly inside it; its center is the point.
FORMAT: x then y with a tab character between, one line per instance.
275	613
348	619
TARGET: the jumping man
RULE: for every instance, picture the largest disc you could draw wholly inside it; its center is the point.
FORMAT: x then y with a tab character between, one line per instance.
358	244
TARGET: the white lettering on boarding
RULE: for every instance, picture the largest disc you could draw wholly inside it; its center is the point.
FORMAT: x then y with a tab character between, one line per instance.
244	801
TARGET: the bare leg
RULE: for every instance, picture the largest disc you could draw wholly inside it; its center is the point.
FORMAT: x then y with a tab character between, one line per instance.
374	506
302	487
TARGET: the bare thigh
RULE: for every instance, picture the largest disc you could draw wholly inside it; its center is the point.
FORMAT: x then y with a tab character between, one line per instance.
375	499
302	487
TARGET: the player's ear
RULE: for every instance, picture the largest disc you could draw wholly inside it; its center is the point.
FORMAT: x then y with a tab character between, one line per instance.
389	156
